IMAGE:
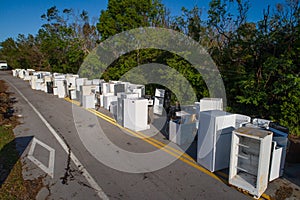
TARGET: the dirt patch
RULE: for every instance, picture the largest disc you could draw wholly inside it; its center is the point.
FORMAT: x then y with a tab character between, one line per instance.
7	117
33	187
283	192
15	187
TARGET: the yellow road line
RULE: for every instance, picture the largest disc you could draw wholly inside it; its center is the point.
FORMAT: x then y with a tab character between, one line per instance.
72	101
265	196
174	152
145	136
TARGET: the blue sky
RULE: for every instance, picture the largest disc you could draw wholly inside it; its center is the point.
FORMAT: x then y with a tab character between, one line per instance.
23	16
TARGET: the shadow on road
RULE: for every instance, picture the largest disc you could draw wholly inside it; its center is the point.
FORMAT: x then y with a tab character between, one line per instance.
292	173
10	154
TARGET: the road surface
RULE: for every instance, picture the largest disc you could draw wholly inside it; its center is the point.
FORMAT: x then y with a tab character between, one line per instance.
54	150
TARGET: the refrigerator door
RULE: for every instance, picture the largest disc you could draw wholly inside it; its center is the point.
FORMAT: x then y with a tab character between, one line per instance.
275	161
206	141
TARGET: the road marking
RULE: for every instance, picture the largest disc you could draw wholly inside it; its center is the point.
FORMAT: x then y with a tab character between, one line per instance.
50	169
174	152
80	166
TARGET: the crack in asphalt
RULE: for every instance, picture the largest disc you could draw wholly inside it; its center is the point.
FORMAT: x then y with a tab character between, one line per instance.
68	176
69	172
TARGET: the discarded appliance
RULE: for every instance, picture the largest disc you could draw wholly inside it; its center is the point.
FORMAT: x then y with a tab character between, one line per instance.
88	101
280	143
79	82
275	161
136	114
88	82
107	99
120	108
46	79
159	101
28	73
56	74
98	100
49	87
263	123
71	86
118	88
57	78
105	88
38	84
72	93
136	88
250	159
14	72
214	139
113	108
211	104
240	120
61	88
183	130
71	80
150	102
22	73
44	87
55	92
197	108
111	86
101	99
87	90
96	81
33	82
114	82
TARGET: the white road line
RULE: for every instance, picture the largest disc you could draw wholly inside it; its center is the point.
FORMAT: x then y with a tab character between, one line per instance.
48	169
85	173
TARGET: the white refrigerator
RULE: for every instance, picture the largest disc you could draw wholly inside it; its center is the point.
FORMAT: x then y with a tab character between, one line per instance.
136	114
214	139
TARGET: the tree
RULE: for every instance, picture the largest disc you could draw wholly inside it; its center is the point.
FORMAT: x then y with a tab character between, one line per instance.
9	52
128	14
66	39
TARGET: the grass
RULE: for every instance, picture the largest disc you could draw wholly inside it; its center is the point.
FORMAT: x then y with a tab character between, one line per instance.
12	184
10	167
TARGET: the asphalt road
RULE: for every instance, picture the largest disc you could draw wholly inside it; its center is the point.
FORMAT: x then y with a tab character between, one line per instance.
64	142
